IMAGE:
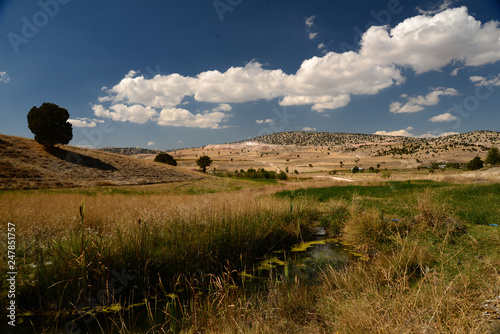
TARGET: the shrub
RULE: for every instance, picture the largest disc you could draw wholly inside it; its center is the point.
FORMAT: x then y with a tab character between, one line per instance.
475	164
166	159
282	176
493	156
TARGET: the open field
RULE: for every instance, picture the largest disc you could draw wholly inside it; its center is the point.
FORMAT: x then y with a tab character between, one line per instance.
151	248
434	270
316	154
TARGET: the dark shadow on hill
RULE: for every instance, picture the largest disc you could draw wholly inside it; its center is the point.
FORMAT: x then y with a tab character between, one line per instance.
79	159
4	144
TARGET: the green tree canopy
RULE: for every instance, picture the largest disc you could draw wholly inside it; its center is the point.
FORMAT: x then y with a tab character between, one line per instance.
49	123
493	156
203	162
475	164
166	159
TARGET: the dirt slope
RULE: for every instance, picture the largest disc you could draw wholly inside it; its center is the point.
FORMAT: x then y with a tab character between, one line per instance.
26	164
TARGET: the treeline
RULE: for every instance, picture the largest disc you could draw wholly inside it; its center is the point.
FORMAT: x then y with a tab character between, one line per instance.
260	173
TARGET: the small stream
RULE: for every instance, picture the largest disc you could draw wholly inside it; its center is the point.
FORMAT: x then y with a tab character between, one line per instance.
304	262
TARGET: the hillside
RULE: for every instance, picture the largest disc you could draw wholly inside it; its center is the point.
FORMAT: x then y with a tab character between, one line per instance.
26	164
129	150
307	138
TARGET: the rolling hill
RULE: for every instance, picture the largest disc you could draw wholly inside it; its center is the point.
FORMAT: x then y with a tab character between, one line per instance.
26	164
308	138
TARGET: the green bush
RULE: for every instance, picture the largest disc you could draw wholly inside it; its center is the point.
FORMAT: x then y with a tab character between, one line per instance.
493	156
475	164
166	159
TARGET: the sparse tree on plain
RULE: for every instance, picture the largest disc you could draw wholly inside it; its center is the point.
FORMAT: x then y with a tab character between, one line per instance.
49	123
203	162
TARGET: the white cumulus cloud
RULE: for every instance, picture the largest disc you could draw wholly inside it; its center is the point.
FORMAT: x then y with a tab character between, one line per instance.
83	122
422	43
223	107
120	112
151	143
4	77
484	81
262	121
430	42
307	128
446	117
406	133
418	103
183	117
403	132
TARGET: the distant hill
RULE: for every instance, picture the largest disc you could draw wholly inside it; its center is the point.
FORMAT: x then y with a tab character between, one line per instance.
26	164
129	150
308	138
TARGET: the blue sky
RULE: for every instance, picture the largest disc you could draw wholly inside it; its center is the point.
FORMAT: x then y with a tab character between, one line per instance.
172	74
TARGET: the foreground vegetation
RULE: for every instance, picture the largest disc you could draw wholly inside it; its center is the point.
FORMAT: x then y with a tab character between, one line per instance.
431	261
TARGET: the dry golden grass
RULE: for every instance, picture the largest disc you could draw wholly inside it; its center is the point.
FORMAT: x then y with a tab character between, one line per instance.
27	164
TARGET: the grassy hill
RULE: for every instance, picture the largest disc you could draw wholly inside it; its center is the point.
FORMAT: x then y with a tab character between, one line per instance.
26	164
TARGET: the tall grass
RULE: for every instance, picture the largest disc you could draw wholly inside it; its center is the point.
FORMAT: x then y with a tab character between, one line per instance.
70	251
430	263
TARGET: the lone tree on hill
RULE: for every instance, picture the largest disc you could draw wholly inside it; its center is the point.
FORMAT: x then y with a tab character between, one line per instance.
493	156
166	159
204	161
475	164
49	123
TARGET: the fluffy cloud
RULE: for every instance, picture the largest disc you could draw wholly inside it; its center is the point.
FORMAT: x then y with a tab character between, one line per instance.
223	107
483	81
403	132
446	117
422	42
120	112
183	117
262	121
82	122
4	77
308	129
310	21
406	133
151	143
419	103
319	102
431	42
